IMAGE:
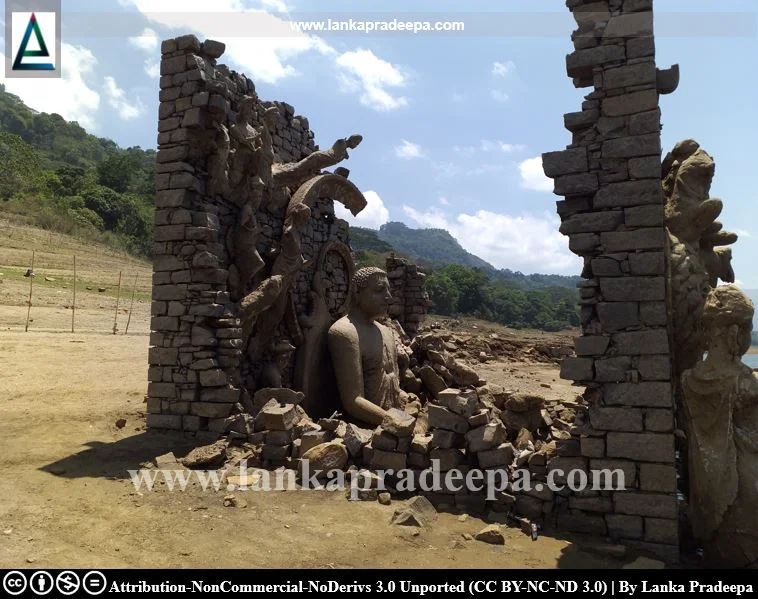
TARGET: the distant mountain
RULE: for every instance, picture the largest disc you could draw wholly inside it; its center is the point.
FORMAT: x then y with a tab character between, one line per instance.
435	248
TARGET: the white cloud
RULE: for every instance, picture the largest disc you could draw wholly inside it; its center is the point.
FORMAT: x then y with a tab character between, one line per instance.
533	177
499	146
153	68
70	96
147	41
444	201
499	96
526	243
362	72
259	43
117	100
483	169
742	233
276	5
408	150
501	69
464	150
373	216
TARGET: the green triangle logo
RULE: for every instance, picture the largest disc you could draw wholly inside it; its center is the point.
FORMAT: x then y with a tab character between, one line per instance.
18	65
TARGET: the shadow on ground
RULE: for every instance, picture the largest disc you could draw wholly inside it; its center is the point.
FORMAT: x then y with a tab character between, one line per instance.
113	460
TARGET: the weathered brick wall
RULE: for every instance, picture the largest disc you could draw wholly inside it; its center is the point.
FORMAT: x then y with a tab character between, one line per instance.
410	300
197	368
613	214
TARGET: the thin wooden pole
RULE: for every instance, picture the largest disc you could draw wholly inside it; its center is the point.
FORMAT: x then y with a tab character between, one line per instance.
131	305
31	284
73	306
118	297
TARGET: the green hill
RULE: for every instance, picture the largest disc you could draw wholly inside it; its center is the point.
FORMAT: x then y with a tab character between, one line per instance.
55	175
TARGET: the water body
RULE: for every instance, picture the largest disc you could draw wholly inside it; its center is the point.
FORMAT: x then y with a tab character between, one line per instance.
751	360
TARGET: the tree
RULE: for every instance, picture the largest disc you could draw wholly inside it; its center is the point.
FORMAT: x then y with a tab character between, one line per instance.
19	165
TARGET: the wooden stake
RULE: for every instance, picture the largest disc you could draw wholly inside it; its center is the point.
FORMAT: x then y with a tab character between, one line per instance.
118	297
131	305
31	284
73	306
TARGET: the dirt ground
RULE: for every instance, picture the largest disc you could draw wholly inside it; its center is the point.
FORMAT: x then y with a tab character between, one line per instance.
67	497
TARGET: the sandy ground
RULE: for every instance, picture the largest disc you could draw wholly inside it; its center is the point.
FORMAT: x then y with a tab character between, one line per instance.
67	497
68	500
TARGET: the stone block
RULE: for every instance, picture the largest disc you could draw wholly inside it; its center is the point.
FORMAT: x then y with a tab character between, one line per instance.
621	526
630	103
646	122
654	368
629	193
485	437
631	289
280	417
647	263
648	167
165	421
646	394
613	474
616	419
631	146
578	369
639	239
659	530
654	313
638	343
634	25
575	184
648	447
499	457
565	162
210	410
583	243
163	356
440	417
659	421
629	75
582	523
580	63
658	477
591	345
161	390
612	370
616	316
591	504
577	121
606	267
655	505
592	447
592	222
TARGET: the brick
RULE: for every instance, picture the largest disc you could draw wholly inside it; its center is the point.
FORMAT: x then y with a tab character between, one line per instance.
629	193
647	394
637	343
592	222
627	289
659	530
649	447
565	162
630	103
658	477
631	146
616	419
639	239
655	505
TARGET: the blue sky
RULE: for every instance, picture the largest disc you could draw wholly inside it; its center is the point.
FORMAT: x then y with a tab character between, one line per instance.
452	123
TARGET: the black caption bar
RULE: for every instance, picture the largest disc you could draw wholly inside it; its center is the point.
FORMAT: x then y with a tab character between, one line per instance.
412	583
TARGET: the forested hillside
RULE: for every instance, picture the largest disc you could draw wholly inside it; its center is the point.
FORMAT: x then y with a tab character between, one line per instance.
55	175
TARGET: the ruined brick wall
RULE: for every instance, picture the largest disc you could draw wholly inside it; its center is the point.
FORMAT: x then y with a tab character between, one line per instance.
409	298
613	214
196	359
